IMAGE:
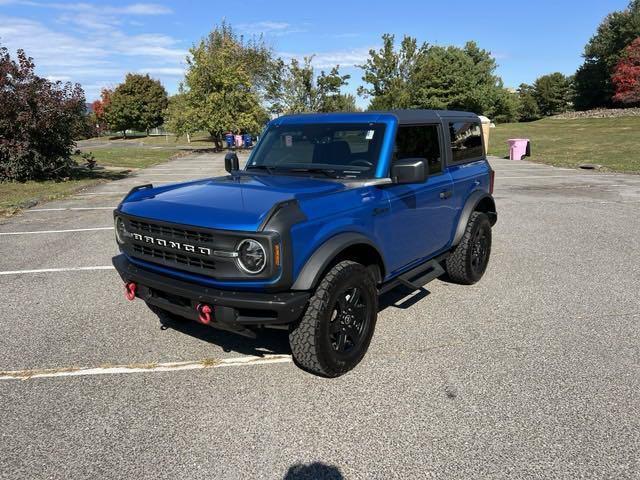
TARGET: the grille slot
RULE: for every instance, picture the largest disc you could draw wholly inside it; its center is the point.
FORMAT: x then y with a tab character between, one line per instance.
170	232
174	257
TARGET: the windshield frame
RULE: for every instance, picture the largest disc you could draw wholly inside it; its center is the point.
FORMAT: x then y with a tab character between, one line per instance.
339	171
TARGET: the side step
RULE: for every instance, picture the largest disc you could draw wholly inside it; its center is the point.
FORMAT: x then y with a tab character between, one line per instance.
417	277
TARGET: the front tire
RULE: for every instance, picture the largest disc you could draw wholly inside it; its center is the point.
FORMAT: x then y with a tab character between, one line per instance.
469	259
335	331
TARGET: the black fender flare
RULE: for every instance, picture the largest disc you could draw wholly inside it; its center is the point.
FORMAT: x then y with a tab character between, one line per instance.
470	205
309	276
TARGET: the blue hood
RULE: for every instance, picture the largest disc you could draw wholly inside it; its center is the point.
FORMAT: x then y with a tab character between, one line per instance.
226	203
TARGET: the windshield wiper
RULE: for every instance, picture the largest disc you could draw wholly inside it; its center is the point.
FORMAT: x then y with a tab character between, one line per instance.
267	168
327	172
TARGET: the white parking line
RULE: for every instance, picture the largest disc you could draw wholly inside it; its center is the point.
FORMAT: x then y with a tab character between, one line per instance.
142	368
67	208
58	231
500	177
100	193
55	270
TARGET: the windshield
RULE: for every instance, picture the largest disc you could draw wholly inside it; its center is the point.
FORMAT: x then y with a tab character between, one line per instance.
344	150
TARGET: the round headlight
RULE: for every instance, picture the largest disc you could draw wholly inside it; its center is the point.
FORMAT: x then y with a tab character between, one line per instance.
121	230
251	256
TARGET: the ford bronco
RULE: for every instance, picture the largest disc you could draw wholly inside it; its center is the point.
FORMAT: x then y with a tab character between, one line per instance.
329	212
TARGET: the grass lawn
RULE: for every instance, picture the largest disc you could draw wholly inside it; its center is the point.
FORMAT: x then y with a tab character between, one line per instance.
613	143
15	195
131	157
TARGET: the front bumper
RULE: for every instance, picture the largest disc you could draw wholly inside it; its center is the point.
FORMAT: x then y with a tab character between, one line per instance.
232	310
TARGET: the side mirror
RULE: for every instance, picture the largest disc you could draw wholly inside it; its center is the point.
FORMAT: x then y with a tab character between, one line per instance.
409	170
231	162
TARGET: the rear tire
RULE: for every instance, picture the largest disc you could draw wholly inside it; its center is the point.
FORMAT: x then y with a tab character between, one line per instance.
335	331
469	259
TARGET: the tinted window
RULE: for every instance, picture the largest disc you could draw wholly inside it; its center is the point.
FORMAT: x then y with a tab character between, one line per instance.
419	142
466	141
349	149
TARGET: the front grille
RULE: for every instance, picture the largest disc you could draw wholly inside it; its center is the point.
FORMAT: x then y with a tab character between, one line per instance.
168	245
170	232
173	257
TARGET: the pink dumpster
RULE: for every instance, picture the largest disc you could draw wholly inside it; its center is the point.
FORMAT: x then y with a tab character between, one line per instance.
238	140
518	148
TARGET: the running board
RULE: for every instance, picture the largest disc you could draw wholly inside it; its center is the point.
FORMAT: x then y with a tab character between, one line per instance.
416	278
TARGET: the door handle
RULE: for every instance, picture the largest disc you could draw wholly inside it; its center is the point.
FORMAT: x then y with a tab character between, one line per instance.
446	194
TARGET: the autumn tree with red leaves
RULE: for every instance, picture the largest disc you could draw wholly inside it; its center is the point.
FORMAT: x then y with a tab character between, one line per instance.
626	77
99	106
39	120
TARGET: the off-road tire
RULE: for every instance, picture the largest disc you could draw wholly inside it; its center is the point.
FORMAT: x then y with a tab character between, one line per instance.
459	265
310	337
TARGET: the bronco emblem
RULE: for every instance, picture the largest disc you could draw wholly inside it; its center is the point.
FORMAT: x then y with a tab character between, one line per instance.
171	244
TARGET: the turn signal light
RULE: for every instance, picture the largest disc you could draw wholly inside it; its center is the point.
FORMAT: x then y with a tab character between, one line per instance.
276	255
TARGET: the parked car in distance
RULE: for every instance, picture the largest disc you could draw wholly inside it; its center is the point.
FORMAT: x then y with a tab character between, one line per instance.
329	212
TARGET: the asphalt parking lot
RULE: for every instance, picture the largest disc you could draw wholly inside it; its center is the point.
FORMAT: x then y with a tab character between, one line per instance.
533	372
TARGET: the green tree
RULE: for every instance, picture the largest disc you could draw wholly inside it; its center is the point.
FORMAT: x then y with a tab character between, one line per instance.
181	118
137	104
435	77
387	73
224	79
329	95
593	87
528	110
294	89
553	93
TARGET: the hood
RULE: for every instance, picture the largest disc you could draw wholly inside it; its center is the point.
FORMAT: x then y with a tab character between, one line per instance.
227	203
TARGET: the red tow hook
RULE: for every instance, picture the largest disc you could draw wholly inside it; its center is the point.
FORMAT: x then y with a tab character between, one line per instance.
130	291
204	313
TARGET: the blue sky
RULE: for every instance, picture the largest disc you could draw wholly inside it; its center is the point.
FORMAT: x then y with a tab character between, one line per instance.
96	43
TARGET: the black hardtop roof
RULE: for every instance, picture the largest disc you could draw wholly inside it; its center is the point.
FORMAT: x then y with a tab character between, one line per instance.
419	116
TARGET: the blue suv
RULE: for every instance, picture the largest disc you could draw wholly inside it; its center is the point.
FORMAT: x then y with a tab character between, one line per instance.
330	212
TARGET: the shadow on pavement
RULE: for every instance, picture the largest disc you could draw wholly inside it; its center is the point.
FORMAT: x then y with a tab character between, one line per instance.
267	342
312	471
401	297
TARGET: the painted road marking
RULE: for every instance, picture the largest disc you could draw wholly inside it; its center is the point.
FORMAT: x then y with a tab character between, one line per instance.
50	270
142	368
58	231
68	208
557	176
100	193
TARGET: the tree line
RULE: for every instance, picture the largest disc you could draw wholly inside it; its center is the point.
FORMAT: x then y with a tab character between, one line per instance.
234	84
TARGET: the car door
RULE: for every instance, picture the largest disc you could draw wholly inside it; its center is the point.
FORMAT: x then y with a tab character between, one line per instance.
422	214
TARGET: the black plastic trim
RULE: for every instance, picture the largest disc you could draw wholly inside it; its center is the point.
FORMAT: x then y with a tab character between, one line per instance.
318	262
472	202
280	218
232	309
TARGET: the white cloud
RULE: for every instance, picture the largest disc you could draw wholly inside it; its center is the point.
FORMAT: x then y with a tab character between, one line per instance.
130	9
269	27
344	58
58	78
168	71
93	56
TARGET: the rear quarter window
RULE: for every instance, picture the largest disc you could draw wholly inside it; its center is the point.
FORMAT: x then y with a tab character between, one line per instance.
466	141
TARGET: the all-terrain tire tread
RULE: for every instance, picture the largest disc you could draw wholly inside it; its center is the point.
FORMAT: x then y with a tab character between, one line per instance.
303	336
456	263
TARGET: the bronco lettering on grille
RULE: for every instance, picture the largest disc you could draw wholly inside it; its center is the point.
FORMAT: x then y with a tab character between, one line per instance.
175	245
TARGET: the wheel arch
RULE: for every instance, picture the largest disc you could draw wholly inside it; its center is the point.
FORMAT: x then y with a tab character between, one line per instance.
478	201
344	246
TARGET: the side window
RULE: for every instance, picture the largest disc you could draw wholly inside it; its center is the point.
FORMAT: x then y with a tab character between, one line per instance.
420	141
466	141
